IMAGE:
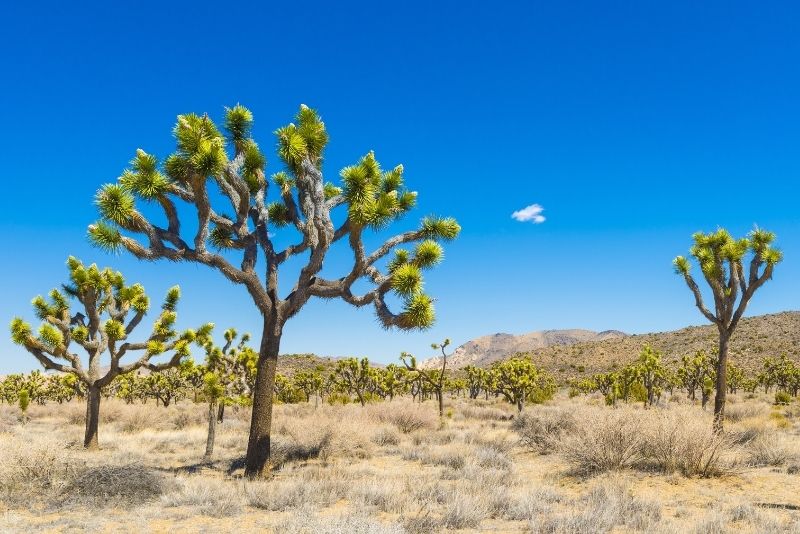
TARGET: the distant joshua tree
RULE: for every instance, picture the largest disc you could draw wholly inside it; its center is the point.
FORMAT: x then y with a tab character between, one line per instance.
104	328
435	378
721	259
227	170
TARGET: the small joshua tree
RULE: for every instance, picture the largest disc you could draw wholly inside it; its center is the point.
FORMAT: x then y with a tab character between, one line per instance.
222	176
102	294
722	259
652	373
213	391
435	378
24	401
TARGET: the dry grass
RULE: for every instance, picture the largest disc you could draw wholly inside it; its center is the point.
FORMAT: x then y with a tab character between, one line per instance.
568	467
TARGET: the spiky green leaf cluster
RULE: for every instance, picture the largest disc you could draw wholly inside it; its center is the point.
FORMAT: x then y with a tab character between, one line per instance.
375	198
418	312
114	329
144	179
446	228
238	121
407	280
155	347
50	335
172	298
304	140
116	204
20	331
278	214
105	237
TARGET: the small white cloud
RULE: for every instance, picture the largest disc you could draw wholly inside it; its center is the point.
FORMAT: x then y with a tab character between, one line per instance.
532	213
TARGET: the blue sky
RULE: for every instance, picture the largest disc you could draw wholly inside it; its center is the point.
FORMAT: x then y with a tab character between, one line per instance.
633	124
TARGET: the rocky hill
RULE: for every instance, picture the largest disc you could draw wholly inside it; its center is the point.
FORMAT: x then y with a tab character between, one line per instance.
755	338
575	353
485	350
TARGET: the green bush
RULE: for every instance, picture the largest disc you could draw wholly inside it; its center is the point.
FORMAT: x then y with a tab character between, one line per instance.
782	398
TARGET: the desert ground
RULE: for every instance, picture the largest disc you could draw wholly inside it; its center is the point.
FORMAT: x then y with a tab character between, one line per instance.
571	465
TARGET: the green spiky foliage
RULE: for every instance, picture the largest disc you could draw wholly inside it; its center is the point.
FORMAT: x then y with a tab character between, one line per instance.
694	371
221	173
109	312
652	373
354	377
519	381
233	363
734	270
310	382
478	380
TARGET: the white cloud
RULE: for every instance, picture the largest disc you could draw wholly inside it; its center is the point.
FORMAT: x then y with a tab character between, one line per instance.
532	213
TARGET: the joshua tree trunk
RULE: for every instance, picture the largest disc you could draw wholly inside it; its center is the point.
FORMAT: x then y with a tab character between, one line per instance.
221	412
257	460
92	417
441	404
212	429
722	381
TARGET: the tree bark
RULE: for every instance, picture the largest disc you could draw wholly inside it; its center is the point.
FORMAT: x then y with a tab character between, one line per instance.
212	429
721	382
257	459
441	405
221	412
92	417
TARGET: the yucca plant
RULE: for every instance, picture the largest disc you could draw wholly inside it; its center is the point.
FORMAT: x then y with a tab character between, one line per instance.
221	174
722	261
110	312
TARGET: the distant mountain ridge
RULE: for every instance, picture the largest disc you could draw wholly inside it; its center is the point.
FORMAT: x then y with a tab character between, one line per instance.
575	353
485	350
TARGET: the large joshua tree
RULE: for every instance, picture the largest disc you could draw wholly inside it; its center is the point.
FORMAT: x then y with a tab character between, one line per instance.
112	310
221	176
722	262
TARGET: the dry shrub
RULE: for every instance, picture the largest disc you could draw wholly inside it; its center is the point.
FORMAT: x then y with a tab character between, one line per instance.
35	470
386	497
668	440
745	410
463	510
309	523
406	416
605	507
188	418
542	427
486	413
681	439
133	421
453	457
278	495
769	449
531	505
603	439
325	435
386	436
110	485
212	497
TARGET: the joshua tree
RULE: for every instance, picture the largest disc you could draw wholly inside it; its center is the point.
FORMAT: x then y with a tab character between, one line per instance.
102	293
24	401
209	166
652	373
214	391
721	259
515	379
354	377
233	366
435	378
